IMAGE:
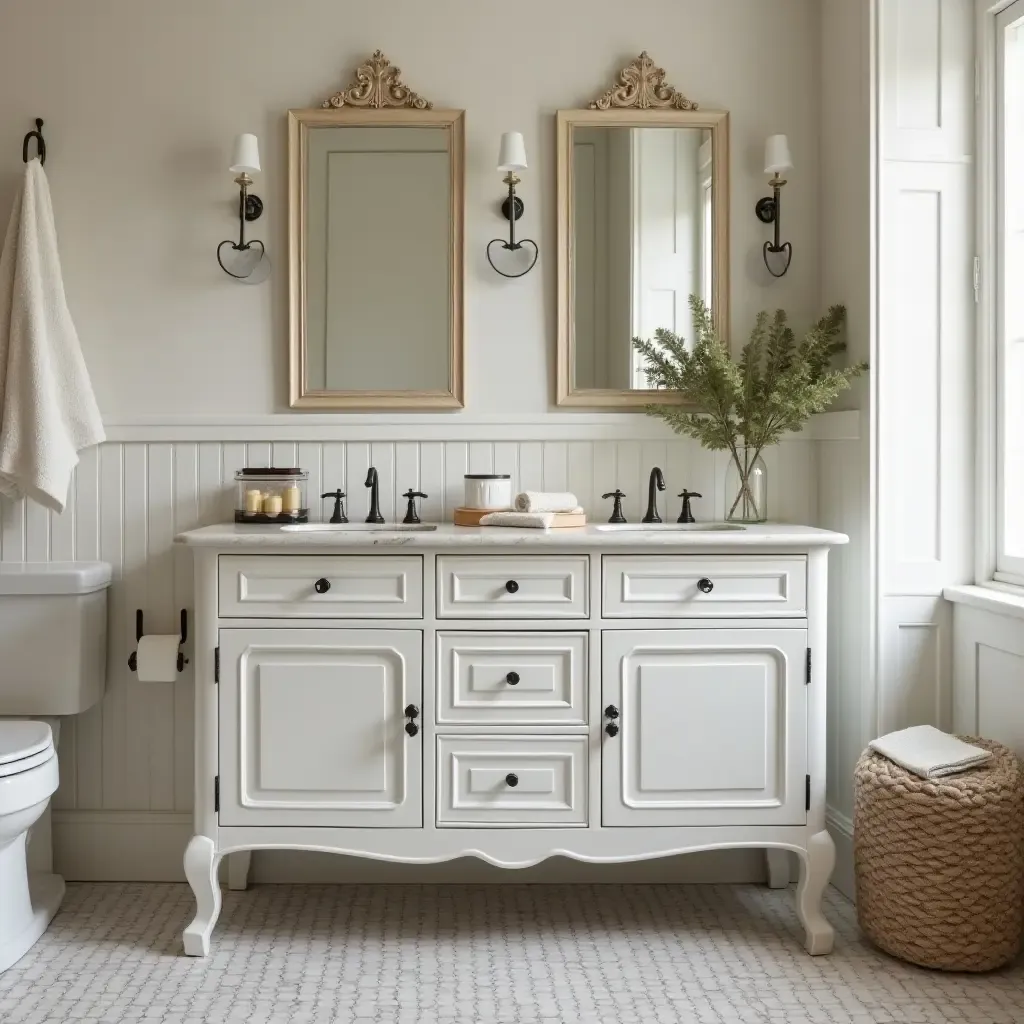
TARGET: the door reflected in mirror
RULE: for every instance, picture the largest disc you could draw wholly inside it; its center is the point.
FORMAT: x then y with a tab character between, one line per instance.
642	241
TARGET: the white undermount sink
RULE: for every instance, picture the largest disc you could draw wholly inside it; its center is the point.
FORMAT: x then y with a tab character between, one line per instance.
360	528
668	528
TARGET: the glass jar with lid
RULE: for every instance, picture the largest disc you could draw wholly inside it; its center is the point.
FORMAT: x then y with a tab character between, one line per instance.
271	495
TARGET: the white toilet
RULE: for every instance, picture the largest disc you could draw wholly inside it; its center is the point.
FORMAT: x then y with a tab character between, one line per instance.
53	641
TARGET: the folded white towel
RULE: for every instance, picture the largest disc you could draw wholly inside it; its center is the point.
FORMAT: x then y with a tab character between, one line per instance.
929	752
547	501
47	409
534	520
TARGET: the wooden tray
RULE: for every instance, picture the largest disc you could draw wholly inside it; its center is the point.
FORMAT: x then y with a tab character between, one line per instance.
563	520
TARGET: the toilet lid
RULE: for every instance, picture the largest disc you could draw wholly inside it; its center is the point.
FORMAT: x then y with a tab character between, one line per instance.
21	742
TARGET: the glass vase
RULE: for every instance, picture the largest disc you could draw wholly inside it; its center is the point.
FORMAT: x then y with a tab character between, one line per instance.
746	487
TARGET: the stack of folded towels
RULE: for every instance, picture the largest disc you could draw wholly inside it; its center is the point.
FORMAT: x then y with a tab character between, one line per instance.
930	753
534	509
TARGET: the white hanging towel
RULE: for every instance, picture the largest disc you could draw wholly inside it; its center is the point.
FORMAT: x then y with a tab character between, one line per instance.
48	412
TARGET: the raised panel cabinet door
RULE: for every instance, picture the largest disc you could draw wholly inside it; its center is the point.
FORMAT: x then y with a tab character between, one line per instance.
711	727
313	727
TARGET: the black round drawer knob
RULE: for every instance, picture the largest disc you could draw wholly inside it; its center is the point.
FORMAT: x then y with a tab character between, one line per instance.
512	678
512	587
322	586
612	729
704	585
411	728
611	711
512	779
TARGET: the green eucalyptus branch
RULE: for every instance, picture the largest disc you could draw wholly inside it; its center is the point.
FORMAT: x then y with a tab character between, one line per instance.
775	387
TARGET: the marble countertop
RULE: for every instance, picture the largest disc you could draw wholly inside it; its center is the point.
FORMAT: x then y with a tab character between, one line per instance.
362	537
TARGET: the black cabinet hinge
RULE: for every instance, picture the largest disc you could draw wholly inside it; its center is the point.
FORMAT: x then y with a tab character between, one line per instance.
216	792
216	664
807	679
807	793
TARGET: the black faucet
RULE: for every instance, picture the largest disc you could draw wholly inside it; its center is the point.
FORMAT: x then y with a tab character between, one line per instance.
686	514
371	482
657	481
411	515
339	505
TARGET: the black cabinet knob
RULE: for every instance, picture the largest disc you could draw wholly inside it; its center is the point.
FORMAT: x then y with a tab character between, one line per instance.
411	711
411	728
512	780
322	586
704	585
512	678
611	711
511	586
612	729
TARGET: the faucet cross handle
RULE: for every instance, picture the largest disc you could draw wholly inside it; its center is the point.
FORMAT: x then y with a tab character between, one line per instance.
617	516
338	515
411	515
685	515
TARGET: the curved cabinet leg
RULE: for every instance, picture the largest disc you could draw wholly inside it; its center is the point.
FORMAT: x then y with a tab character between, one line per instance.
778	867
201	863
816	864
238	870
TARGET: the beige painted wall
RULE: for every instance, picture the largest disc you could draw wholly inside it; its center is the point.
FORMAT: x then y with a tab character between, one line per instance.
142	100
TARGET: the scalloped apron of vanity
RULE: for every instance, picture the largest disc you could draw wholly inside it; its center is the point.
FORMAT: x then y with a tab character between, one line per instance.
422	698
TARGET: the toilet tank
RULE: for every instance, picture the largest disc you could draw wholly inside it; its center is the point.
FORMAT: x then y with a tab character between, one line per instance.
53	636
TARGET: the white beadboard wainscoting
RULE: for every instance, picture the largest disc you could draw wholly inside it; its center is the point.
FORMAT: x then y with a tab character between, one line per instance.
123	808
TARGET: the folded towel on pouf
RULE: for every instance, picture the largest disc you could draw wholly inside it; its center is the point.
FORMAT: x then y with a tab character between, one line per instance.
929	752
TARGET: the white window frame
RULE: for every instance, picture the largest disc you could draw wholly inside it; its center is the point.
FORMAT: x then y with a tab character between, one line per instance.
993	567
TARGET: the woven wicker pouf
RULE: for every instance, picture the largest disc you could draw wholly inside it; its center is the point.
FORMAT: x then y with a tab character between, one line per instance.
940	864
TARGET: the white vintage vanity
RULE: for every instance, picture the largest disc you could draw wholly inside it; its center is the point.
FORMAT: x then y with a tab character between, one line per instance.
415	695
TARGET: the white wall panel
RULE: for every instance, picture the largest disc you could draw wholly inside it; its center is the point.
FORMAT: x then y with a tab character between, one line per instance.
128	500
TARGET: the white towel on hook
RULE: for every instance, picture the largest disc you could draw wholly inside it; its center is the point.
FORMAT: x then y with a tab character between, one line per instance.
929	752
48	412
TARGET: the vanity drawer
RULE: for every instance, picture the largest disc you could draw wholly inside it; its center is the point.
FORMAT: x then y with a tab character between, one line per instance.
519	587
321	586
511	678
655	587
512	780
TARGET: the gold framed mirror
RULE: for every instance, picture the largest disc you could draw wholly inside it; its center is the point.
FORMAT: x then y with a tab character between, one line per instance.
376	194
643	223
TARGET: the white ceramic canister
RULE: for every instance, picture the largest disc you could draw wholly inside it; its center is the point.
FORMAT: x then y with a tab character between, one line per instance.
488	490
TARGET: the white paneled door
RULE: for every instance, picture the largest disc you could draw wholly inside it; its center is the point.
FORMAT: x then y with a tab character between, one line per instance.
313	727
707	727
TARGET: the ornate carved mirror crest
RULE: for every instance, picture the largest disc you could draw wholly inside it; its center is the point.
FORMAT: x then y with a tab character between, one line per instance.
642	85
378	85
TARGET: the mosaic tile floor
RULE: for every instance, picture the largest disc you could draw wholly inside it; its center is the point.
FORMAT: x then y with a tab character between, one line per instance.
476	955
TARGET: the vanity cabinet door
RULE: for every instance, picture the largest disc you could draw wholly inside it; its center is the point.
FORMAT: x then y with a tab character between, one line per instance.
711	727
312	727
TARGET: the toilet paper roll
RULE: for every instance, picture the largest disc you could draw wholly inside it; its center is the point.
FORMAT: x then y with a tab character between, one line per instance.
157	660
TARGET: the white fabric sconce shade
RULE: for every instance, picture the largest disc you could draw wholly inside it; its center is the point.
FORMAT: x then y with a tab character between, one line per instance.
512	152
246	158
777	159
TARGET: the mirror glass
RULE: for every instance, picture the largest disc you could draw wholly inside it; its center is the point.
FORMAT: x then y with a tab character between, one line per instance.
376	258
378	277
643	242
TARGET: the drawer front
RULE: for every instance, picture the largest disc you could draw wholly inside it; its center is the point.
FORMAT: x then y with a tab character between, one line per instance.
647	587
512	780
511	678
519	587
321	586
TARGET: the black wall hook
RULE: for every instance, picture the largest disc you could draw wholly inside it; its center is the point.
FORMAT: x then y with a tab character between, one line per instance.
133	658
40	143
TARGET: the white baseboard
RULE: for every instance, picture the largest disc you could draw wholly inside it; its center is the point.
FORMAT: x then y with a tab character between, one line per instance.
148	846
841	829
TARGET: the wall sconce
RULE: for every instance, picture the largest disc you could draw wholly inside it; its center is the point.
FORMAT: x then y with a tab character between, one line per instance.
245	260
512	158
769	209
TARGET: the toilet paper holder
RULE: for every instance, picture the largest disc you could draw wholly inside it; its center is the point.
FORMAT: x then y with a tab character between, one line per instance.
139	632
